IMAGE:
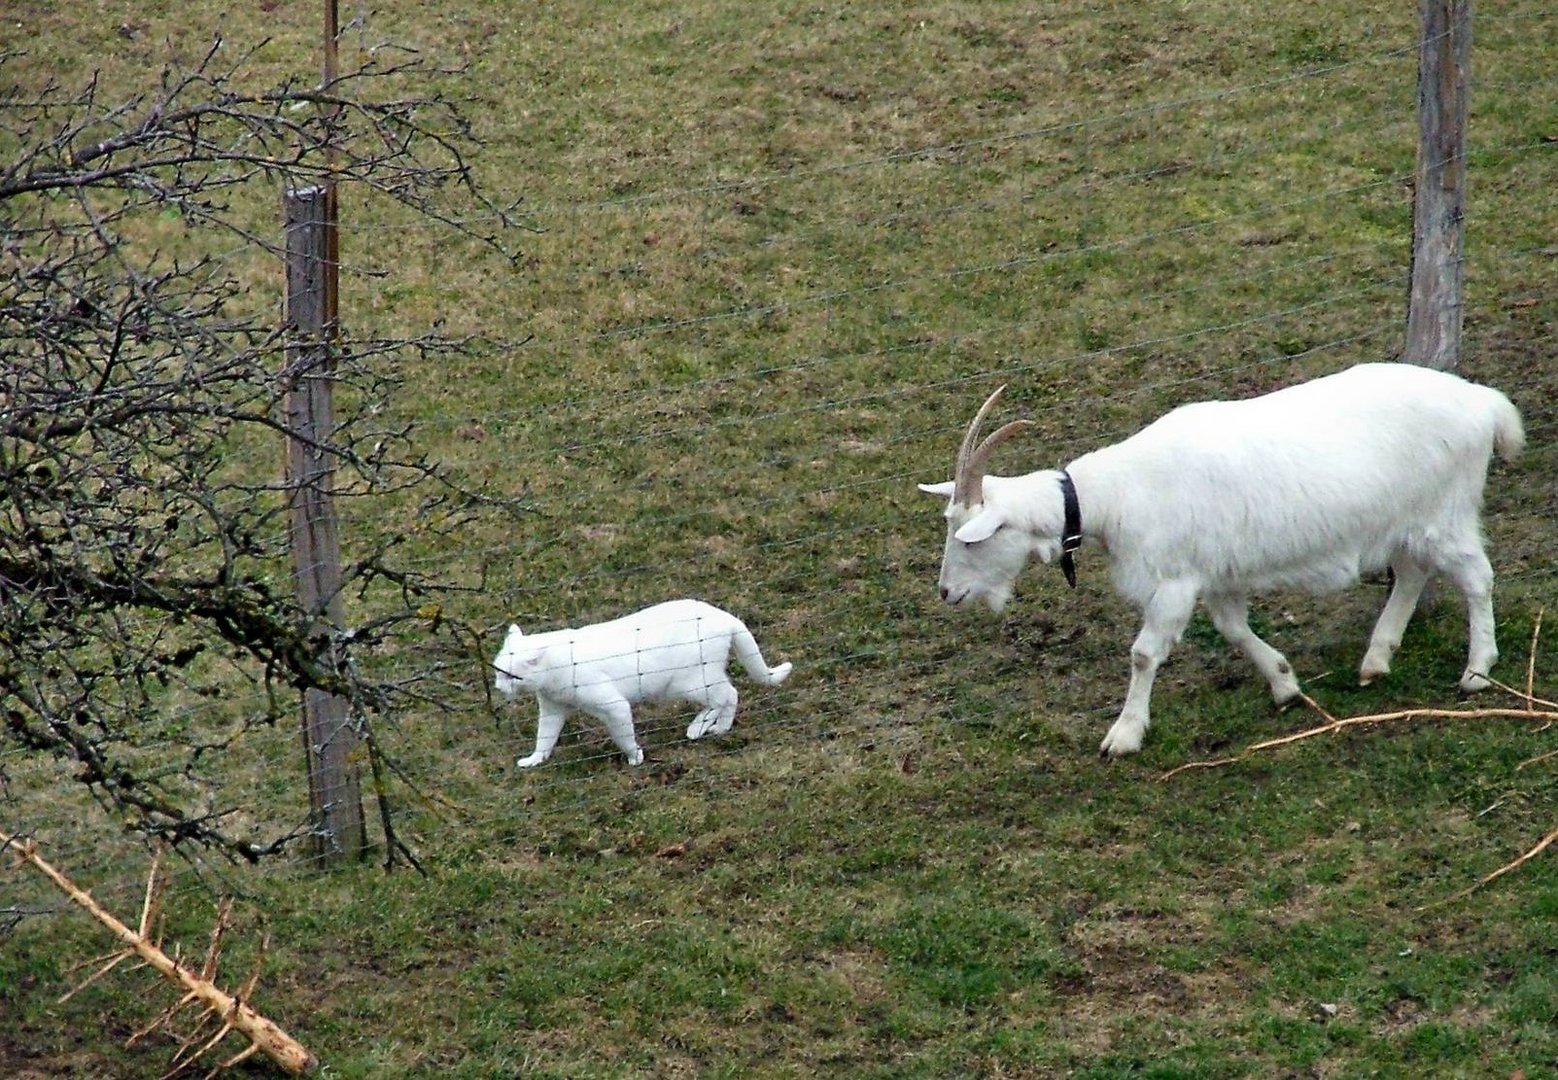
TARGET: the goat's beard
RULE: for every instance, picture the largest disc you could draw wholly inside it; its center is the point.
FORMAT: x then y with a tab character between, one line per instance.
997	599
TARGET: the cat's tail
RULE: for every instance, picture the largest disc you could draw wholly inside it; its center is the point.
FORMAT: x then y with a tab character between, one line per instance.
751	658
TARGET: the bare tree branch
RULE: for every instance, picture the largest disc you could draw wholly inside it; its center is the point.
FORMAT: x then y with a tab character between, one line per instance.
142	553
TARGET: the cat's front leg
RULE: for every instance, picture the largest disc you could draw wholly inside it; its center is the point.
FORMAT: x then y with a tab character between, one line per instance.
618	717
548	726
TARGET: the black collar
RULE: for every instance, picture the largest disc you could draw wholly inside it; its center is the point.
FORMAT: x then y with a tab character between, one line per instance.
1071	531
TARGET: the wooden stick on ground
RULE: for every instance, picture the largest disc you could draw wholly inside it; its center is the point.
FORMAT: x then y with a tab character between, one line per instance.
1541	845
1332	724
1535	709
199	986
1536	633
1537	760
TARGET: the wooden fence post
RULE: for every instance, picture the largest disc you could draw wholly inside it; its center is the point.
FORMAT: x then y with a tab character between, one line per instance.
330	742
1434	305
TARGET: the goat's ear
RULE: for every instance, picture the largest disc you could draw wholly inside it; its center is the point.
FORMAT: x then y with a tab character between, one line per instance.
515	631
982	526
944	489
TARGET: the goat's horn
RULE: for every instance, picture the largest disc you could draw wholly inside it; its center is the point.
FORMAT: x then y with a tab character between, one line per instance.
980	460
972	460
971	436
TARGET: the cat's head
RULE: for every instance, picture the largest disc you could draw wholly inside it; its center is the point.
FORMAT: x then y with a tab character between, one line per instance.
516	663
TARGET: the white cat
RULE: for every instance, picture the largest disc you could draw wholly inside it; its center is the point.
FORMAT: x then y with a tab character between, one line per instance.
674	651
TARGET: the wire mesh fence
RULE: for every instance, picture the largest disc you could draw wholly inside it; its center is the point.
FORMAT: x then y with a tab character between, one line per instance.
726	388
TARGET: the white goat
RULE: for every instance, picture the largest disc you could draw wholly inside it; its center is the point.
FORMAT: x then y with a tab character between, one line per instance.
1380	465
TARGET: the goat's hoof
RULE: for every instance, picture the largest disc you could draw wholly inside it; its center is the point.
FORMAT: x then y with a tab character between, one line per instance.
636	757
1118	743
1472	682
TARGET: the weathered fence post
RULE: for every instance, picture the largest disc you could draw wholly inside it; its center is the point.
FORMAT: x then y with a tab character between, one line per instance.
1433	336
330	742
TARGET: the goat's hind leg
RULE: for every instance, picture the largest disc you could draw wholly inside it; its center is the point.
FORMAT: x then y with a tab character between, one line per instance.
1473	575
1411	576
1230	614
1165	617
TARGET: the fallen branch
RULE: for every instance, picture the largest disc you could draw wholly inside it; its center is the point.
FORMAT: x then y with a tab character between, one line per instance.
1332	724
1536	708
1536	633
233	1013
1537	760
1533	704
1541	845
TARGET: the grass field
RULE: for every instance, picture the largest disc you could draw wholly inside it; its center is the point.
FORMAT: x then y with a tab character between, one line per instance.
782	253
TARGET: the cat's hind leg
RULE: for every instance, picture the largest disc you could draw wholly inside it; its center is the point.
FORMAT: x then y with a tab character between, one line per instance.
719	711
548	726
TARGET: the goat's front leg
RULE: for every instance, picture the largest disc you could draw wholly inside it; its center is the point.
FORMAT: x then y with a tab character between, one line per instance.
1166	615
1411	576
1230	614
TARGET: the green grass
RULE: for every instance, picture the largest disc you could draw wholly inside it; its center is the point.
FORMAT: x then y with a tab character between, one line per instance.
786	251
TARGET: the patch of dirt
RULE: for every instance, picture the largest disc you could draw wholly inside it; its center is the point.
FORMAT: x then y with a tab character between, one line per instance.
24	1062
1122	975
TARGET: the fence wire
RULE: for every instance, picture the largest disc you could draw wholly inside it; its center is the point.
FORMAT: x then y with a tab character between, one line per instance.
648	485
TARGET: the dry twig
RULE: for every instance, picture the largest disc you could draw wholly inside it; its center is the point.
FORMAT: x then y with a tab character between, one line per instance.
1333	724
1541	845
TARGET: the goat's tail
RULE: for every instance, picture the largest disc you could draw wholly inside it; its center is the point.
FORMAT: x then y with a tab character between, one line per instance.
1509	434
752	660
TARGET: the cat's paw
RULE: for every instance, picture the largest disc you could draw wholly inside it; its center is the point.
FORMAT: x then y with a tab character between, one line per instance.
530	762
